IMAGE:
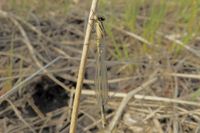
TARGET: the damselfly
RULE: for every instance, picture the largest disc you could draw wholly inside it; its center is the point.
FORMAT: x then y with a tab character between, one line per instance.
101	84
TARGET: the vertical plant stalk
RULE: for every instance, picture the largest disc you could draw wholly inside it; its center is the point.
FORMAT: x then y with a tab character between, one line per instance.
81	72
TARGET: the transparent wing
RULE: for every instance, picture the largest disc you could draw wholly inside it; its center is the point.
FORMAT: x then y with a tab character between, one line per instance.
101	84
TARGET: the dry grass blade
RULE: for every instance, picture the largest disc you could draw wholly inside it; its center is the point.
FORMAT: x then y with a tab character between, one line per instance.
19	115
184	75
16	87
167	100
193	51
158	125
125	102
148	98
143	40
35	108
31	49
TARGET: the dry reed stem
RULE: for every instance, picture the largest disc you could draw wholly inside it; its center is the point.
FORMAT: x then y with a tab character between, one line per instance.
158	126
40	34
193	51
35	108
19	115
131	34
31	49
16	87
32	52
167	100
81	72
125	101
152	114
149	98
184	75
45	124
96	123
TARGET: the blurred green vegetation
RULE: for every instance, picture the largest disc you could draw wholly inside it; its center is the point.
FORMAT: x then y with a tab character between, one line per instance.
142	17
44	7
147	17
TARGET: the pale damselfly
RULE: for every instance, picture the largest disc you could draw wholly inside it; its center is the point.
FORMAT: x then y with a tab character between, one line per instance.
101	83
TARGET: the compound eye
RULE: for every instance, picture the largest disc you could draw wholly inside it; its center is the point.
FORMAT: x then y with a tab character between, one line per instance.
101	18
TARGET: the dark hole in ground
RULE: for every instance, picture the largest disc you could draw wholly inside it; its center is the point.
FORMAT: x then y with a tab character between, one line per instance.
49	96
109	111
